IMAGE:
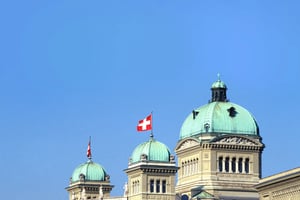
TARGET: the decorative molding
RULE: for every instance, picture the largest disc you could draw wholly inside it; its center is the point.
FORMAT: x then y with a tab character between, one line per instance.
165	171
236	140
291	191
187	144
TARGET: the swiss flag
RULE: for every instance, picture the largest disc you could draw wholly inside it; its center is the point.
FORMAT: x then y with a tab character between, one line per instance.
145	124
89	152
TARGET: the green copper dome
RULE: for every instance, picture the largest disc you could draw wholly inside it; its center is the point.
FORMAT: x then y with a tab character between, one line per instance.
218	84
219	116
151	150
89	171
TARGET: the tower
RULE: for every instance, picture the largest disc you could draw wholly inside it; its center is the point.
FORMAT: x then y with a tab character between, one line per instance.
151	172
219	150
89	181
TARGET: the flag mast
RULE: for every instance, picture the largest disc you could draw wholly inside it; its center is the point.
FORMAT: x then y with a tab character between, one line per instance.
151	134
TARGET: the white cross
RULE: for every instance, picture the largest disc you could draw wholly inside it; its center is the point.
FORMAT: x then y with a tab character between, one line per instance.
144	124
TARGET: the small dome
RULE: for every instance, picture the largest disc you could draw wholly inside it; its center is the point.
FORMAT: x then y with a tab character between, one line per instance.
151	150
218	84
89	171
219	117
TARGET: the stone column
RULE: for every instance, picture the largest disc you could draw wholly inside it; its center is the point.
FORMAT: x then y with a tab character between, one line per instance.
243	166
230	165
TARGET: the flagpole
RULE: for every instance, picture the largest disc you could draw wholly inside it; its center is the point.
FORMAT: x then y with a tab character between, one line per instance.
151	134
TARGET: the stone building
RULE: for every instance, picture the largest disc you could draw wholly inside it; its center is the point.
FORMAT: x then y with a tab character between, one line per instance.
219	150
281	186
151	172
218	158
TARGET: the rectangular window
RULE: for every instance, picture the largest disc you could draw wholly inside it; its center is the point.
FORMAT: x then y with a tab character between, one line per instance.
158	186
151	185
164	186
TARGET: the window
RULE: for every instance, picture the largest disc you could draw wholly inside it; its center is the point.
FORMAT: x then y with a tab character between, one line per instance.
133	187
227	164
240	165
164	186
157	186
151	185
247	165
233	167
220	164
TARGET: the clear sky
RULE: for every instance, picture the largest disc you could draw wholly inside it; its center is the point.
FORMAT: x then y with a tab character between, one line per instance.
74	69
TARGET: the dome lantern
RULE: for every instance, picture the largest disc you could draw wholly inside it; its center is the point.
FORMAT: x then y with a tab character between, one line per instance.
218	90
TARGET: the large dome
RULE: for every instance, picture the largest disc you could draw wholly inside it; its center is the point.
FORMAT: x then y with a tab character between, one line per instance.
89	171
151	150
219	117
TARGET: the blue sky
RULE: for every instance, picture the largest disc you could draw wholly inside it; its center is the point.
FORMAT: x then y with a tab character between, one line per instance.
74	69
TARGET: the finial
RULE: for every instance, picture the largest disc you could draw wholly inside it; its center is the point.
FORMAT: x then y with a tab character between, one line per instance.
151	135
219	79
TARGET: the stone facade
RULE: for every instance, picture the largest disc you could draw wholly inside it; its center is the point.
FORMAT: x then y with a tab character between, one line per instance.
151	180
281	186
89	190
227	166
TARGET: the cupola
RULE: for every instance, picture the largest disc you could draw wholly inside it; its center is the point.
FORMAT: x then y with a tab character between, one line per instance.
151	151
218	91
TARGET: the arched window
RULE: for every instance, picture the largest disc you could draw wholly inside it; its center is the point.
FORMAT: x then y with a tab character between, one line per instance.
233	167
240	165
227	164
133	188
193	166
220	164
247	165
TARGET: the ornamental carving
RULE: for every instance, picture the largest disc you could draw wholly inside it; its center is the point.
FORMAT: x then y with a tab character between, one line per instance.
235	140
188	143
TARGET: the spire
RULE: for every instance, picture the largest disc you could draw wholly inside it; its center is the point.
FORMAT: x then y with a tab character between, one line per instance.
218	90
219	79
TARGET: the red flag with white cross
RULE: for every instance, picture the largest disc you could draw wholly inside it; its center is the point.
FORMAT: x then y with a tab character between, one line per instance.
89	151
145	124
